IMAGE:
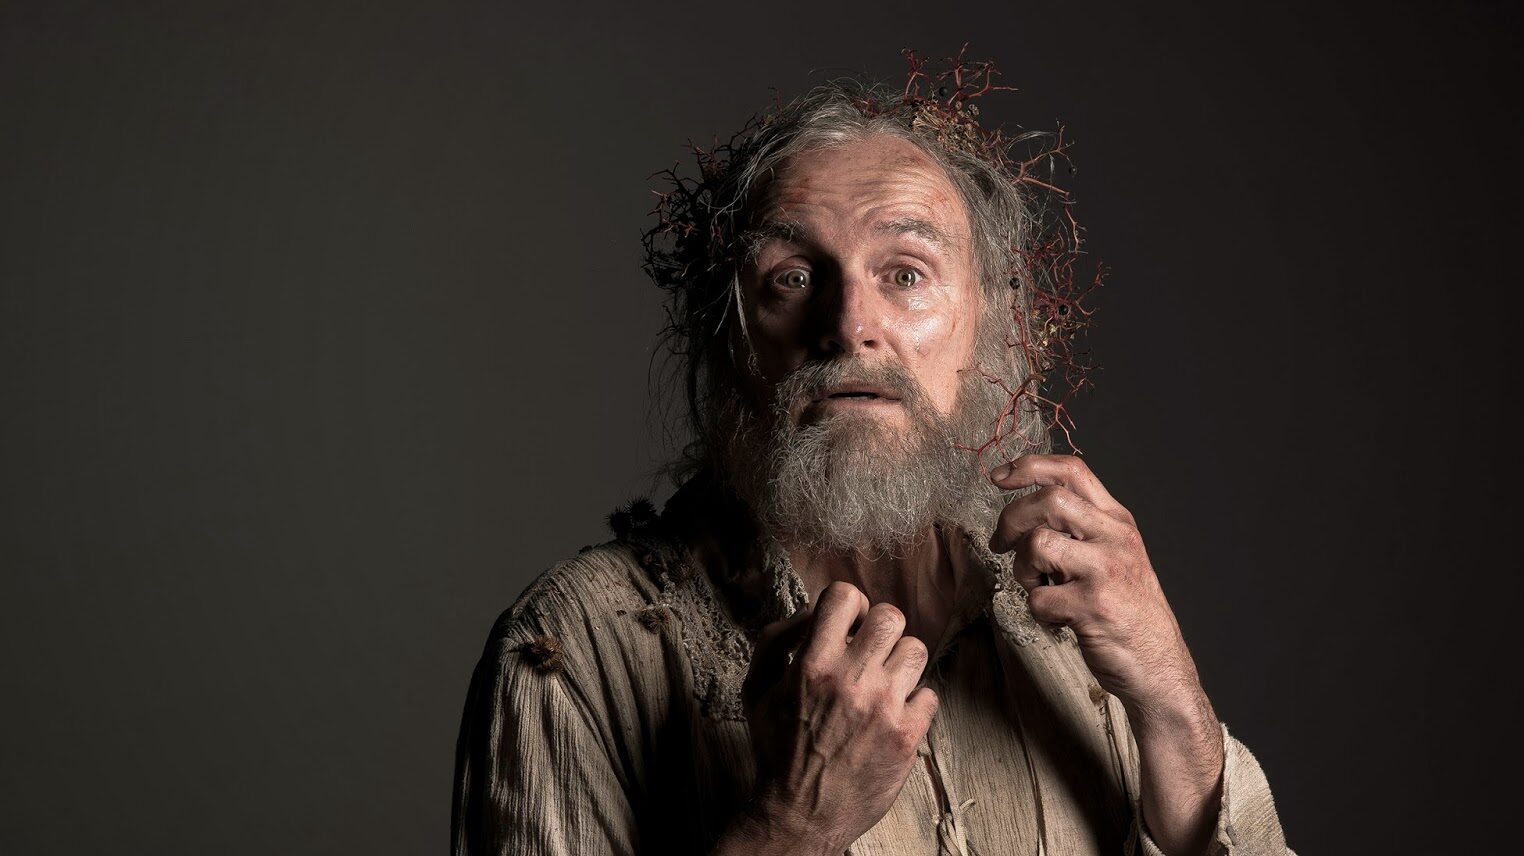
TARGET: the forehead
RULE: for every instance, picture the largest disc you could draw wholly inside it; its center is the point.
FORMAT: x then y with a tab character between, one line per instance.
863	182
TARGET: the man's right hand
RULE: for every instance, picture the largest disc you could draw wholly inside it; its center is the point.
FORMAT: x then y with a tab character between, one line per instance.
835	731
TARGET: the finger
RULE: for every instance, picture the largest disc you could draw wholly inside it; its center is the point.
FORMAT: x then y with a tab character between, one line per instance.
905	665
882	628
1055	507
842	605
1057	604
1046	553
920	708
769	659
1066	470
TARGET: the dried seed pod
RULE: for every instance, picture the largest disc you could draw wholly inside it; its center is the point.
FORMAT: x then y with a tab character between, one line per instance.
544	653
652	618
631	517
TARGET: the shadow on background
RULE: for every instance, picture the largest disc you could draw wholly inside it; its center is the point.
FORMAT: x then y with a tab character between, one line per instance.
324	331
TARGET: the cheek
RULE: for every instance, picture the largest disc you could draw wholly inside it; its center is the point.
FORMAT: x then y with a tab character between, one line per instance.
774	339
939	333
941	342
929	334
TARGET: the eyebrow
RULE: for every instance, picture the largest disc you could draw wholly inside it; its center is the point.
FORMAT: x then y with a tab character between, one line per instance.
784	229
771	229
923	229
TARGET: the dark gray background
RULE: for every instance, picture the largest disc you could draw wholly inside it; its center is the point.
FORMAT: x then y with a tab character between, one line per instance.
324	331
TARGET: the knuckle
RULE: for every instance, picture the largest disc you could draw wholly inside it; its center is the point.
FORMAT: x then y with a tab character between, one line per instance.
1058	496
816	674
1107	609
884	633
884	698
917	659
1046	543
887	619
838	595
914	654
861	704
1106	566
906	738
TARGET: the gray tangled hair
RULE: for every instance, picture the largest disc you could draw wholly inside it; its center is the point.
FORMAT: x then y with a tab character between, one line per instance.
1023	243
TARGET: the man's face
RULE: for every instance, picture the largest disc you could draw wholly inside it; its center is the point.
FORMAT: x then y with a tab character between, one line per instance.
864	257
861	306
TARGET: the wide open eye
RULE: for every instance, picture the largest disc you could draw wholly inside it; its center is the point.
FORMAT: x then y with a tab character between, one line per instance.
907	277
793	279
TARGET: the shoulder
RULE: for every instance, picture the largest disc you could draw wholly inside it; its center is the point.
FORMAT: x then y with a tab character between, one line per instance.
637	617
577	605
587	649
561	700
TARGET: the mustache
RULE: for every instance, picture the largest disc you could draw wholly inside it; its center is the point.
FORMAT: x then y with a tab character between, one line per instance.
813	379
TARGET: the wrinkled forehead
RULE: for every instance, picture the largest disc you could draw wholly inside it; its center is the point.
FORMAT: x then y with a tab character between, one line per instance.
865	182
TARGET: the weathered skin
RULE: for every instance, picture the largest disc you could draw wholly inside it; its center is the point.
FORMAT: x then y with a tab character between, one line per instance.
1104	588
838	729
855	300
877	265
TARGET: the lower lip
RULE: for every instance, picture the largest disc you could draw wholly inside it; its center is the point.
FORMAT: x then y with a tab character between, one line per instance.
854	402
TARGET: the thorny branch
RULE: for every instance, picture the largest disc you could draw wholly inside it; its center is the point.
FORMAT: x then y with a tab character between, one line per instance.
694	243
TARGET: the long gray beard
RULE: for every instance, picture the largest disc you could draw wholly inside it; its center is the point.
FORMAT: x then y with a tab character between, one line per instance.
846	482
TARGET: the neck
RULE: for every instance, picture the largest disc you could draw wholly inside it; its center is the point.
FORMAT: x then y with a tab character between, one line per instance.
920	583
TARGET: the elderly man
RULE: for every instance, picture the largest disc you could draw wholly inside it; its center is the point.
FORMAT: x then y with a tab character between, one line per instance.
850	630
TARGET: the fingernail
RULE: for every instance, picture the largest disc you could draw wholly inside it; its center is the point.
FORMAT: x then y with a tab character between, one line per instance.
1001	472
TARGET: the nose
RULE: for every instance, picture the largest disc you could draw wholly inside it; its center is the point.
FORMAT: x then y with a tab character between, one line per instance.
848	317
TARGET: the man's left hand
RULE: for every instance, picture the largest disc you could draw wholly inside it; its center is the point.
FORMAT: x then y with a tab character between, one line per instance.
1080	557
1099	580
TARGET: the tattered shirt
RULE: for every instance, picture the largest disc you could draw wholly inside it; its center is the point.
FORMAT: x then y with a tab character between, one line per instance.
605	715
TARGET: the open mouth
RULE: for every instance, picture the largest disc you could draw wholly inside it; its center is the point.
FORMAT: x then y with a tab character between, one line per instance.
856	393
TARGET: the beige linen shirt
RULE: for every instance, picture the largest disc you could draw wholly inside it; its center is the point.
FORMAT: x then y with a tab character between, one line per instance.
605	715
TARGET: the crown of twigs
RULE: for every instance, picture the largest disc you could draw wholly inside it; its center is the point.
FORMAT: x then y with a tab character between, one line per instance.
694	249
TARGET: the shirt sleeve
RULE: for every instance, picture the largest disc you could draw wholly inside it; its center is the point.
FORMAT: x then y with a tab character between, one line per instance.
1247	824
533	776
